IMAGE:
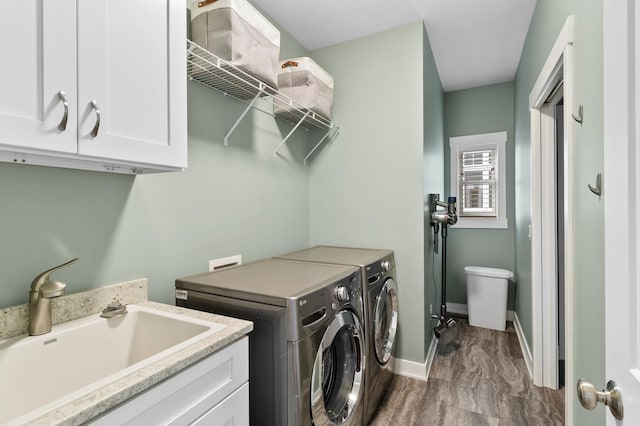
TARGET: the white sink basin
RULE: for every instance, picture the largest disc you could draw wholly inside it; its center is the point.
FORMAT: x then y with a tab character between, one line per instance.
40	373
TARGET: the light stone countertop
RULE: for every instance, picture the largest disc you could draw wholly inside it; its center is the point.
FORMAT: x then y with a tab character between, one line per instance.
101	400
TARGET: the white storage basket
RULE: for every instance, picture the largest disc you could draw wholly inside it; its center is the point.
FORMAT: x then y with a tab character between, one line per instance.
307	83
236	32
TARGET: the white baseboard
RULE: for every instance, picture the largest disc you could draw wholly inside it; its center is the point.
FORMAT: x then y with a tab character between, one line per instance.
457	308
416	370
431	354
460	308
526	352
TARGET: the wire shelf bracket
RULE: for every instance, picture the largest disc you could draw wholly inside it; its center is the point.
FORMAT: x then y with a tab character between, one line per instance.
209	70
275	152
336	132
244	113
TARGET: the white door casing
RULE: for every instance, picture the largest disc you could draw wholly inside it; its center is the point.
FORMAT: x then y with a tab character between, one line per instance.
557	68
621	189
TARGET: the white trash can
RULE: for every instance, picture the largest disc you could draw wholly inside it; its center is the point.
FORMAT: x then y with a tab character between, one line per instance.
487	296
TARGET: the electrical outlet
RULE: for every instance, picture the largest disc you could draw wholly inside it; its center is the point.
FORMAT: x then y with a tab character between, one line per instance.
225	262
529	233
430	308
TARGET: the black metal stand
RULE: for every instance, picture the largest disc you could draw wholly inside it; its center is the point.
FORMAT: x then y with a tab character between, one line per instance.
445	323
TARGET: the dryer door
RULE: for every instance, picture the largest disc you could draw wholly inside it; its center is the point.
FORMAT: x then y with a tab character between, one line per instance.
336	390
385	321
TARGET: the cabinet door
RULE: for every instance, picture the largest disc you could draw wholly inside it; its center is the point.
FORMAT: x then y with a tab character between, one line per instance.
132	68
190	394
234	410
38	51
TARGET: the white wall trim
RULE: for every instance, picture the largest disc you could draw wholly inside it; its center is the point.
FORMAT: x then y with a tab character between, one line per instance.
431	354
412	369
543	85
416	370
536	250
569	285
524	347
462	309
457	308
558	66
481	141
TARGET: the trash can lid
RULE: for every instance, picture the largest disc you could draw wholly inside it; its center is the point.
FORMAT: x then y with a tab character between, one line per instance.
488	272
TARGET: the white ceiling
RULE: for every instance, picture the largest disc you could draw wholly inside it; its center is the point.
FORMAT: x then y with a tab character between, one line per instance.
474	42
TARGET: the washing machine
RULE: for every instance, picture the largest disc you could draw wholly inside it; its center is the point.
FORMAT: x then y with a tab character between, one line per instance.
381	306
306	352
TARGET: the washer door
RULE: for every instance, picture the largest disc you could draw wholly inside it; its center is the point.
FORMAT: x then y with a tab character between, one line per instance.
385	321
338	371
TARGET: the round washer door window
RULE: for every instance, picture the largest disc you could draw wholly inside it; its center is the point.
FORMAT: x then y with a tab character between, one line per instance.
385	321
338	371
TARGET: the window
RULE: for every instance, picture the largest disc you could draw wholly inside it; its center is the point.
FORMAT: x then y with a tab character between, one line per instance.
478	179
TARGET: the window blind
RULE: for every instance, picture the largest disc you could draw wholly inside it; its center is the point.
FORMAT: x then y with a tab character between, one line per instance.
478	182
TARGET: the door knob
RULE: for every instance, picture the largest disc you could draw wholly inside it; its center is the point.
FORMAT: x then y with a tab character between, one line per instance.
612	397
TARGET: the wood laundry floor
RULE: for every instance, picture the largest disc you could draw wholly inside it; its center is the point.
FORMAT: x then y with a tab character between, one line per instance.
478	377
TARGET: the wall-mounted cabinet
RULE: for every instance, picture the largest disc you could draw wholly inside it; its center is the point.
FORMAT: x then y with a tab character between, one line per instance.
94	85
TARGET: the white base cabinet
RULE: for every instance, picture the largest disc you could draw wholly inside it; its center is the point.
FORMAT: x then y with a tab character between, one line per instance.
234	410
213	391
97	85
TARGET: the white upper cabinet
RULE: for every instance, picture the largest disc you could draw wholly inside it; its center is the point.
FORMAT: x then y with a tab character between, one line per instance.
132	65
121	65
38	61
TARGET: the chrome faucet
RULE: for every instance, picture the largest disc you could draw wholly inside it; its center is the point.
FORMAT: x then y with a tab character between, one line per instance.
43	289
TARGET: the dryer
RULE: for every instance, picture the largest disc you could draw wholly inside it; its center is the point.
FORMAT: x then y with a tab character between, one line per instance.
381	306
306	353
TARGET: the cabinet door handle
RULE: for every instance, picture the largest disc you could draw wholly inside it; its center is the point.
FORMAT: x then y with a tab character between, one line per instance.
63	123
94	131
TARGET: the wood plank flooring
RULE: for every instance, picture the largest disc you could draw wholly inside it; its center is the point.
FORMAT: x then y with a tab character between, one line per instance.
478	377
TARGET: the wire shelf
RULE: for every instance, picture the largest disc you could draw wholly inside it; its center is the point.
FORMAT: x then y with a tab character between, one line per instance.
218	74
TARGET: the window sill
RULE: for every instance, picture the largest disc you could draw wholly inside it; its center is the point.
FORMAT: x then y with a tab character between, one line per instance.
481	223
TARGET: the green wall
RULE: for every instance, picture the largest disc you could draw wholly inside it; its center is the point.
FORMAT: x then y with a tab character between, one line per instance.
231	200
433	178
588	215
468	112
367	187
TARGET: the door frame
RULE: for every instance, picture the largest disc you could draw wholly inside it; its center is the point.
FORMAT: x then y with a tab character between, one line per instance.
558	67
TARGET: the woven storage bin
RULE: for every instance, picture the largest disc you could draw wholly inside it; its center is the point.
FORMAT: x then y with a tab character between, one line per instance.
307	83
236	32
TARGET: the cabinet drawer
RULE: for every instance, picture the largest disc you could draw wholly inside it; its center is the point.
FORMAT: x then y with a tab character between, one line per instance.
186	396
234	410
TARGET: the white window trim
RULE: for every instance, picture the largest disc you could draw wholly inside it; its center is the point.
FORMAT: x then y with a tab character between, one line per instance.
482	141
